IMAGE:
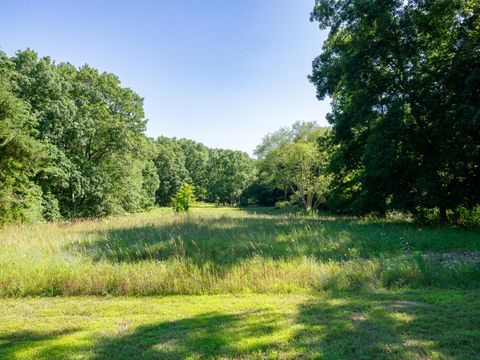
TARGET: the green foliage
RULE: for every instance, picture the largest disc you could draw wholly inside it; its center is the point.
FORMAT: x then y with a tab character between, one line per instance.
51	209
184	198
73	145
294	161
229	174
89	133
404	80
259	193
150	184
219	175
282	204
299	132
196	164
172	173
21	157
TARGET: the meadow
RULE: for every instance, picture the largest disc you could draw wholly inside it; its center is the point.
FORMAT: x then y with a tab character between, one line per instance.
241	283
229	250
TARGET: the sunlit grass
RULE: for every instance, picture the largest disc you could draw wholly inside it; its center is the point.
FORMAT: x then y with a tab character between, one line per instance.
363	325
229	250
253	283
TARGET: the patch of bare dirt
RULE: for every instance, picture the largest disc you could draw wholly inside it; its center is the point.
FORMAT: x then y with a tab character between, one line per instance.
454	258
356	316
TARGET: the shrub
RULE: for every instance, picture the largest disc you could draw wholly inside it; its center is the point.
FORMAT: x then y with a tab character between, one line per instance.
282	204
184	198
51	211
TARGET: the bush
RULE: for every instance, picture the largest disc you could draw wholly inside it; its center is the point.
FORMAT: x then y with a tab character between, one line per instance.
184	198
51	210
283	204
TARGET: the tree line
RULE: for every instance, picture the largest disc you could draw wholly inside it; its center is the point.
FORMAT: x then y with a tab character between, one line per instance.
219	175
404	82
73	144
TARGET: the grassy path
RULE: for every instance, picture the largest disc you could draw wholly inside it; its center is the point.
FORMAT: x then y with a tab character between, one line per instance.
423	324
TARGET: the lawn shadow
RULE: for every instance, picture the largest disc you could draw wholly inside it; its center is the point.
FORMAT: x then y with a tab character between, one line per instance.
209	335
381	326
337	326
13	343
226	240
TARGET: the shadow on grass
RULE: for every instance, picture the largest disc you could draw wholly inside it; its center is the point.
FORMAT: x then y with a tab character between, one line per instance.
225	240
210	335
339	327
365	326
19	341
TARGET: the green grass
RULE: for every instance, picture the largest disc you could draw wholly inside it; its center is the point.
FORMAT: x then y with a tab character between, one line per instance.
433	324
227	250
242	283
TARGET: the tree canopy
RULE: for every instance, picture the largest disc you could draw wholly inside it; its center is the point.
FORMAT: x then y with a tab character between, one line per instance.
404	79
73	144
292	160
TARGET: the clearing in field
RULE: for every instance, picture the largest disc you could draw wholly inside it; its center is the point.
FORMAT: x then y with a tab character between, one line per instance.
255	283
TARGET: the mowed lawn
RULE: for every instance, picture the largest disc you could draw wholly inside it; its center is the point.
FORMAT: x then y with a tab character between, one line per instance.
427	324
233	283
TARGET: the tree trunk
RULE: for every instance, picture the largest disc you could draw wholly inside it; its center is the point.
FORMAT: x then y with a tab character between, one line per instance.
443	214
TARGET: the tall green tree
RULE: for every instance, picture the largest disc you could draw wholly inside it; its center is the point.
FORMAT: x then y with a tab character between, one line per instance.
292	160
170	165
196	163
403	77
93	132
21	157
229	173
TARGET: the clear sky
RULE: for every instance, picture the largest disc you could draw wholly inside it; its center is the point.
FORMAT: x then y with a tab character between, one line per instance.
221	72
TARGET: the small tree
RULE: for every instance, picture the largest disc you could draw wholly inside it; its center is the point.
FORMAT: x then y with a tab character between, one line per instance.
299	168
184	198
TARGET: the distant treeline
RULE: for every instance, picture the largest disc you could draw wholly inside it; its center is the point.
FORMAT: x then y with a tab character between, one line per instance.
404	79
219	175
73	144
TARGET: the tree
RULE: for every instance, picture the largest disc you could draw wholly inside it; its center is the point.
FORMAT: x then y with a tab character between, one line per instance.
21	157
404	81
172	173
259	193
298	167
184	198
92	131
196	162
292	160
299	131
229	173
219	175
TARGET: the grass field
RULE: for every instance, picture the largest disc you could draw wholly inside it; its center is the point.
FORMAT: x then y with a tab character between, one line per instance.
252	283
427	324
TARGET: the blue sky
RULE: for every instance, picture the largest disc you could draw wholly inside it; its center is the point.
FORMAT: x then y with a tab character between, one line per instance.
221	72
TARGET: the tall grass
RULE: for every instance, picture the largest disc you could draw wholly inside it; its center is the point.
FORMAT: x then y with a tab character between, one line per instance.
227	250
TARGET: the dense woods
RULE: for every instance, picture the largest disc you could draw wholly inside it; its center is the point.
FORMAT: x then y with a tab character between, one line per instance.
81	140
219	175
73	144
404	79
